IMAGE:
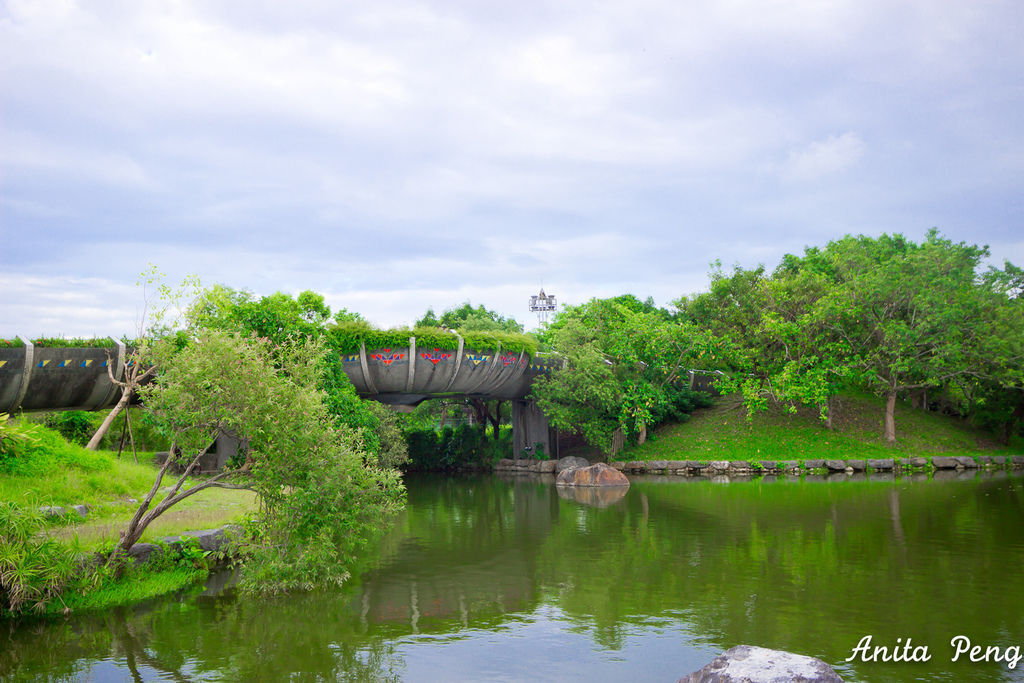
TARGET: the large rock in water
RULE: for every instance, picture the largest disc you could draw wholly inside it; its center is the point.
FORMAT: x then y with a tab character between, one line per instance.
750	664
595	475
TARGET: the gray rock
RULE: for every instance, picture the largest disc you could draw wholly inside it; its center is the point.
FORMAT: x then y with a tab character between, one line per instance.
635	466
547	466
697	464
656	465
594	475
998	459
857	465
768	464
82	510
814	464
984	459
1018	460
739	465
720	465
209	539
881	464
750	664
967	461
918	462
571	461
941	462
142	552
52	511
676	465
790	464
836	465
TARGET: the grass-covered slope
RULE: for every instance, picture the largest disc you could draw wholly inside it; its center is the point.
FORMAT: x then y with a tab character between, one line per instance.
724	432
38	467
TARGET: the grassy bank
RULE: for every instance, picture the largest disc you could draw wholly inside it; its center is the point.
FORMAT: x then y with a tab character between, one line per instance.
724	432
39	468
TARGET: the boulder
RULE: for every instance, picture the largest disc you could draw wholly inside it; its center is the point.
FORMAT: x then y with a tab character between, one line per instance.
918	462
547	466
141	552
750	664
998	459
52	511
657	465
881	464
82	510
814	464
739	465
1018	460
966	461
595	475
836	465
789	465
857	465
768	465
984	460
570	461
941	462
720	465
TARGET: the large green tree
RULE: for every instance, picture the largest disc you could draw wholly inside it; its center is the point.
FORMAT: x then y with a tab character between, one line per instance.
625	364
321	494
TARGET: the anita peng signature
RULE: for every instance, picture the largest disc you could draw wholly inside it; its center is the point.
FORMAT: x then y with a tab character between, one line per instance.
908	652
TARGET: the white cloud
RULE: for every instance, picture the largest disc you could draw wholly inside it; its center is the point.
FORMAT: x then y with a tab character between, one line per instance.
822	158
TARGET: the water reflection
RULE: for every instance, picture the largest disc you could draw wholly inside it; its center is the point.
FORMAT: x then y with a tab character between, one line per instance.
508	575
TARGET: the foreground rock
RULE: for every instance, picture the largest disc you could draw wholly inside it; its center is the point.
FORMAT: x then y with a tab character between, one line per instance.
750	664
595	475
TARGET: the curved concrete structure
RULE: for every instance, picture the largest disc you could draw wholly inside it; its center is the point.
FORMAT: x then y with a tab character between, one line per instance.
35	378
412	374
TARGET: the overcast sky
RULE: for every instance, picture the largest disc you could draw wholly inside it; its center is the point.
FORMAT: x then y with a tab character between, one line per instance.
399	154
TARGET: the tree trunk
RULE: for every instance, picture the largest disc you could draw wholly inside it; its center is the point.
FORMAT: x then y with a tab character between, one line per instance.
496	419
642	436
828	413
890	418
94	442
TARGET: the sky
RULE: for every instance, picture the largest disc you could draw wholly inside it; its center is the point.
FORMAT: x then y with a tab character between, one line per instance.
397	155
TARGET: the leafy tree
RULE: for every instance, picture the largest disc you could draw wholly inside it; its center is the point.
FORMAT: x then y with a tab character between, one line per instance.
320	493
622	368
470	319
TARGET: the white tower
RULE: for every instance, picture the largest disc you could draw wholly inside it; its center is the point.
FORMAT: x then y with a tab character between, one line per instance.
543	305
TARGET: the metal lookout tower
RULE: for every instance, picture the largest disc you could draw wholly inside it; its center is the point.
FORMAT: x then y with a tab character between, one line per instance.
543	305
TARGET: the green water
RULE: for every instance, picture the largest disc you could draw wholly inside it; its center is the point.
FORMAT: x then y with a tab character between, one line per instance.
501	579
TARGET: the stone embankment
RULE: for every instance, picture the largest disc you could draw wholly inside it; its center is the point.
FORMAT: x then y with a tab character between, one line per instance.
756	467
749	467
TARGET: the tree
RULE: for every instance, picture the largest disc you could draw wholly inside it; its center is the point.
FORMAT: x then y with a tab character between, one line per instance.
320	493
470	319
624	360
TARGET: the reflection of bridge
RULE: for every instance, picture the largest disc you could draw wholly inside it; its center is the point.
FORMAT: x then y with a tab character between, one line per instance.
36	378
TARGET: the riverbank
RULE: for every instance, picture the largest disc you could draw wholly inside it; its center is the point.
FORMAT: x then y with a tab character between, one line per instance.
724	432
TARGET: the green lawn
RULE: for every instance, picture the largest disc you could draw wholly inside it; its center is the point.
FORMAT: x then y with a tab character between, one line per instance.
724	432
47	470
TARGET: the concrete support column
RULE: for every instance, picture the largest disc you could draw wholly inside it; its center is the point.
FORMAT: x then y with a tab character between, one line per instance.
529	428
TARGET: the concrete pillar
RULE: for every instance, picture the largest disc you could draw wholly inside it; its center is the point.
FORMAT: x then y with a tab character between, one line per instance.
529	428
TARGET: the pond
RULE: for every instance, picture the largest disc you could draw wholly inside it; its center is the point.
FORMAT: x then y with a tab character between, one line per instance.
484	578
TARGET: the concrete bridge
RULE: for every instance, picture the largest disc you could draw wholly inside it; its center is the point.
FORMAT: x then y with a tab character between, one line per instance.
36	378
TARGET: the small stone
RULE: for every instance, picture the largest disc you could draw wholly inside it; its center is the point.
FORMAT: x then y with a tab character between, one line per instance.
881	464
547	466
82	510
52	511
941	462
750	664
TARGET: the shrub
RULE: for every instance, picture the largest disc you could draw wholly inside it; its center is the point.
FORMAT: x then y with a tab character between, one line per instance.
33	569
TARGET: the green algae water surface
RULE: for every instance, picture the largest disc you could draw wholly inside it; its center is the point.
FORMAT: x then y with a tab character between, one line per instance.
485	578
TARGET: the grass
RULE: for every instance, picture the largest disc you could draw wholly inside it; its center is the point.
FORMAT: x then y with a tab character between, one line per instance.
47	470
133	587
724	432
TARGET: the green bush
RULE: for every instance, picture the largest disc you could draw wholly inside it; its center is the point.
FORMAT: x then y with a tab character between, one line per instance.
33	569
74	425
456	447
